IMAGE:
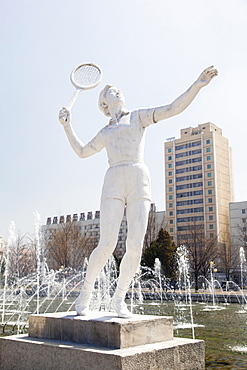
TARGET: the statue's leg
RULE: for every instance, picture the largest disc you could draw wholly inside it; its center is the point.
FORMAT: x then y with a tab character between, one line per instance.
137	218
111	214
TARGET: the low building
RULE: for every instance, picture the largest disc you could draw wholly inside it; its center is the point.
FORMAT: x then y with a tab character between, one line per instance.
89	225
238	231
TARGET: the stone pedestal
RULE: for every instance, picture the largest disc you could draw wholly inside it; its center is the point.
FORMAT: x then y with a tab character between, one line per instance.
101	341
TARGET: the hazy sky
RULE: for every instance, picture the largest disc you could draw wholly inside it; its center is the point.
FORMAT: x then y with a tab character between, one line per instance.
152	49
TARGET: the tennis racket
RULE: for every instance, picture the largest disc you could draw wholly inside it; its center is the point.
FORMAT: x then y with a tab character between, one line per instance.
84	77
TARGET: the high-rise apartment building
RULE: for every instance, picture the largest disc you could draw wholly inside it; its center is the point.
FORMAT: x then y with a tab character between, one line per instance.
198	175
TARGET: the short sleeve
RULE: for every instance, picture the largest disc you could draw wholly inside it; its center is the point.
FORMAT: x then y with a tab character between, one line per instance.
146	116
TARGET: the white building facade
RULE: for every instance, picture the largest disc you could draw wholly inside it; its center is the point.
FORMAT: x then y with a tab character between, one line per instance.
198	173
238	224
89	225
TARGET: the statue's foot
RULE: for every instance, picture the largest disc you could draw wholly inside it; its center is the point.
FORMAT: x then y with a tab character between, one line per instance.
120	307
82	303
82	311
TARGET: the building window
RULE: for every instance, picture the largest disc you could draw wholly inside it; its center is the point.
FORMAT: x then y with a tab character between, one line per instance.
243	211
243	220
171	221
210	191
171	213
209	166
211	226
208	141
187	145
210	209
211	235
169	150
171	229
169	158
170	181
209	174
170	173
209	183
210	200
169	165
208	158
170	189
207	150
211	217
170	205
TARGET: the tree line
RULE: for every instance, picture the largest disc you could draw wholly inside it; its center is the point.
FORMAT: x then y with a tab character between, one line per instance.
66	246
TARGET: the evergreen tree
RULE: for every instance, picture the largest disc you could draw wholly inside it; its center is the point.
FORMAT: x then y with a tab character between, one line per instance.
164	249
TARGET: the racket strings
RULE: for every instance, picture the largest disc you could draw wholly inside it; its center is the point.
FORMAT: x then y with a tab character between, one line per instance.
86	75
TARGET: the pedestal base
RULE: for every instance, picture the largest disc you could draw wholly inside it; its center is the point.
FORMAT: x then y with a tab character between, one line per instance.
24	353
45	348
103	329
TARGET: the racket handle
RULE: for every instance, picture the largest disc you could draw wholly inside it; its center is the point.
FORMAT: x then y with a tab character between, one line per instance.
73	99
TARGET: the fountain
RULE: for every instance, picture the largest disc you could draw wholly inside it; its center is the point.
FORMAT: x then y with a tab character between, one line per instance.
157	273
55	291
184	280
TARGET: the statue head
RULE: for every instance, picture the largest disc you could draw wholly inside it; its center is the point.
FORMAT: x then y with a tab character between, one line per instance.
110	95
102	100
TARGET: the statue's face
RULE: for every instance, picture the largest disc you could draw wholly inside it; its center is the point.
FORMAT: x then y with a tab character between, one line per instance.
114	97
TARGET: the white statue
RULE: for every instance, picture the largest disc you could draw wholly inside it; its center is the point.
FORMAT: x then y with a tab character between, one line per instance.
126	183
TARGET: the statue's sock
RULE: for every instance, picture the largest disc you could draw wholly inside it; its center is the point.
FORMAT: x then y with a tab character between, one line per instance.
119	295
88	286
119	305
85	295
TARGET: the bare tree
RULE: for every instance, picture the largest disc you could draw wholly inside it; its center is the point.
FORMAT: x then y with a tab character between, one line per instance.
202	249
241	236
21	257
229	259
67	247
239	239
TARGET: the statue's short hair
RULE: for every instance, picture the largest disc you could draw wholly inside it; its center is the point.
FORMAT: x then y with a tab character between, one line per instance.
102	101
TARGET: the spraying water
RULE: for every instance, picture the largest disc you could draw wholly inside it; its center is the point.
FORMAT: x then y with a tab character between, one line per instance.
212	281
242	265
10	243
157	273
242	268
37	231
184	279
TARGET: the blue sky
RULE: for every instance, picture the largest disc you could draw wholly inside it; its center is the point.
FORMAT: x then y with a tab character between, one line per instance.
152	49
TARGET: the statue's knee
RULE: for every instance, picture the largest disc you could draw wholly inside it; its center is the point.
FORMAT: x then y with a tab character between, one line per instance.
135	241
134	246
106	246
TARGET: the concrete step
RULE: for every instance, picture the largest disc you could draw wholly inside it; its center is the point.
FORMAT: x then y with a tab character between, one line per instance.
103	329
24	353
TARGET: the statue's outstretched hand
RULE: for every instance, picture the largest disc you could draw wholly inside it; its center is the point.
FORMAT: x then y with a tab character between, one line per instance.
64	116
206	76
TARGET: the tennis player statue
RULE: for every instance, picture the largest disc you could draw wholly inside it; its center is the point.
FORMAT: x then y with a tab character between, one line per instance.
126	183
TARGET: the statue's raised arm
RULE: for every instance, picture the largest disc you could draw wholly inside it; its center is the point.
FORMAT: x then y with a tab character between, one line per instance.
81	149
184	100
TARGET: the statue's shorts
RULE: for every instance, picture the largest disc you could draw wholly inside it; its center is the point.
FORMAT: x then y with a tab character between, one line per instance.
127	182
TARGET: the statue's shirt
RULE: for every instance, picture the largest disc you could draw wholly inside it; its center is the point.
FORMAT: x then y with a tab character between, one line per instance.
128	177
124	140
